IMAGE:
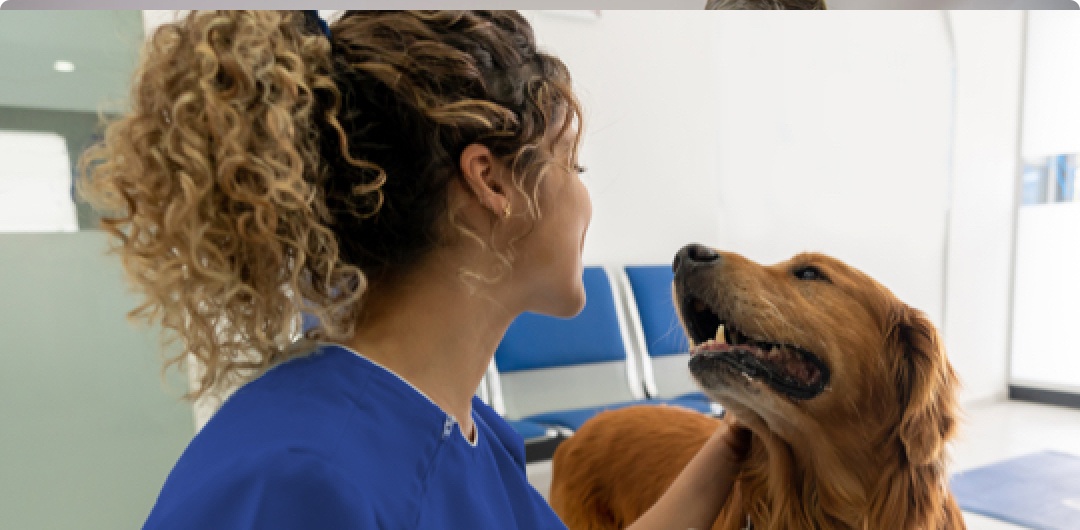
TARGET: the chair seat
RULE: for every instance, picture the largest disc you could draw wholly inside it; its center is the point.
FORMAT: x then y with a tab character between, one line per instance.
695	401
693	396
540	440
573	419
701	403
532	431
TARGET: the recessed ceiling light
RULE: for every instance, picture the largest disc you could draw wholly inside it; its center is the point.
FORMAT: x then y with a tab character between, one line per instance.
64	66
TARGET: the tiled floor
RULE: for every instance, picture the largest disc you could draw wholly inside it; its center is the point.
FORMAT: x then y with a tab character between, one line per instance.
990	433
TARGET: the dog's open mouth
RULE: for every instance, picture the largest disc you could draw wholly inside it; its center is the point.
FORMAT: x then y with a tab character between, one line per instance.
788	369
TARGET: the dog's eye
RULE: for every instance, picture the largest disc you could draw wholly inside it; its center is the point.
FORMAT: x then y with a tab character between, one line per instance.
810	272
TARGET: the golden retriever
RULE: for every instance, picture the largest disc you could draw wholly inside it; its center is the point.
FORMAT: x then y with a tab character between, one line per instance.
846	390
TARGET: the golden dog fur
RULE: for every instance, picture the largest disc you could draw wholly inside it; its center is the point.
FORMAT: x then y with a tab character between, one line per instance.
866	453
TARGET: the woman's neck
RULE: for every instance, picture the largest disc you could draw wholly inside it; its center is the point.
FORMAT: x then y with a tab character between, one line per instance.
433	332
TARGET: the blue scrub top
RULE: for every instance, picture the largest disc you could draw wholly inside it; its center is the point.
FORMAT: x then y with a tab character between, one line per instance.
332	440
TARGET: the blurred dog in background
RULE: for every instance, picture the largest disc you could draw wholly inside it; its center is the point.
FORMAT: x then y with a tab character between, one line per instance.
765	4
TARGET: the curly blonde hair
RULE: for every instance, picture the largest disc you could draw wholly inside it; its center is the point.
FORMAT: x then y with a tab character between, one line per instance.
265	170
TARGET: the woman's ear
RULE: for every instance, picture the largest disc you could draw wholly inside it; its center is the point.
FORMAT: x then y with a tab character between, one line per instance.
483	176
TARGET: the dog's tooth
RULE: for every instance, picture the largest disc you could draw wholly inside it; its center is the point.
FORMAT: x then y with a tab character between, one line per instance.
720	335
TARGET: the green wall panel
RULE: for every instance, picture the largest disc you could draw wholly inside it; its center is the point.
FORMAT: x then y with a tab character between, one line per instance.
88	428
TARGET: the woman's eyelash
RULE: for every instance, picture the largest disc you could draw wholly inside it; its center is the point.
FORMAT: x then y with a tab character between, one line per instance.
580	168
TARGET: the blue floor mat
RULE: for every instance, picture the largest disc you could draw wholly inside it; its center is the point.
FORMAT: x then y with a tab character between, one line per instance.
1040	490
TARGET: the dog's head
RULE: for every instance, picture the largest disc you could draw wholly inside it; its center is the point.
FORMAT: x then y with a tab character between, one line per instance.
812	349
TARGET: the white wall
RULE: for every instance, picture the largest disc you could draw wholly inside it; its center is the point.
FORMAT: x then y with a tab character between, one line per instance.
826	133
644	80
833	137
1051	106
989	48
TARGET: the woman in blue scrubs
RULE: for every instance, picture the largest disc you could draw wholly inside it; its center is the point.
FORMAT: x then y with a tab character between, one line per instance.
409	179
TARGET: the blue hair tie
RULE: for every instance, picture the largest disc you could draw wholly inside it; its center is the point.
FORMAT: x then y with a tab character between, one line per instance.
314	15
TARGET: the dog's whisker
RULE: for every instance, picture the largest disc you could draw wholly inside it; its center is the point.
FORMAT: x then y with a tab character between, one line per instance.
673	327
776	313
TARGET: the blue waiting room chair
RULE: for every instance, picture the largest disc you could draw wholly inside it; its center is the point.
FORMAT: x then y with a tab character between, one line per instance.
561	372
661	341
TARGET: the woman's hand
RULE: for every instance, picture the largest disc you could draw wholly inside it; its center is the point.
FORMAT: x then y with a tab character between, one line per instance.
698	494
731	440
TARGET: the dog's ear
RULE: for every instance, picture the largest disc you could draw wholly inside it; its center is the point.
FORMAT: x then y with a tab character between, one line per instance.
927	387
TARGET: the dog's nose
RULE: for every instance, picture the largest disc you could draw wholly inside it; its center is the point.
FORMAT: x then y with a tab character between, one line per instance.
693	255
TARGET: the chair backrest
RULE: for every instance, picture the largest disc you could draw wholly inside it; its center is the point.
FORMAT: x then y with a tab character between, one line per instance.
545	363
658	333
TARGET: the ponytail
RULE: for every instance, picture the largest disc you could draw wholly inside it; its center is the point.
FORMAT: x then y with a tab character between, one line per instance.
212	187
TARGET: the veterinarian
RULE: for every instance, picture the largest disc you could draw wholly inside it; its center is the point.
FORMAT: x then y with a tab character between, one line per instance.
411	181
